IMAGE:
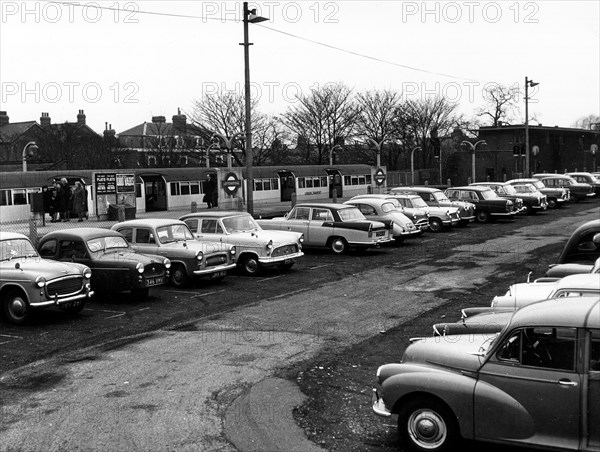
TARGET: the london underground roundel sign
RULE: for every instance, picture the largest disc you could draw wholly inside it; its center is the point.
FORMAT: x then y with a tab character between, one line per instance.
231	183
379	176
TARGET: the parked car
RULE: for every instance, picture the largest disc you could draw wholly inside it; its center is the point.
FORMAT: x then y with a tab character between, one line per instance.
488	205
440	218
28	282
579	191
418	216
335	226
581	251
435	197
522	201
190	258
533	384
255	248
115	265
533	199
556	196
376	209
587	178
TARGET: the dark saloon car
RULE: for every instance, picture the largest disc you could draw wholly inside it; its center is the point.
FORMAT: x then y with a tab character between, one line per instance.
579	253
488	205
555	196
579	191
116	267
28	283
587	178
524	202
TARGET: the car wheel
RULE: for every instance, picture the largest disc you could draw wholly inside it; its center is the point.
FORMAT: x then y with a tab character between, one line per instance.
435	225
73	310
552	204
250	265
286	267
427	425
338	245
179	276
483	217
15	307
140	294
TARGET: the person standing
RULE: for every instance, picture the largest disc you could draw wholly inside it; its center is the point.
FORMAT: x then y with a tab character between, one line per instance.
65	199
210	191
79	200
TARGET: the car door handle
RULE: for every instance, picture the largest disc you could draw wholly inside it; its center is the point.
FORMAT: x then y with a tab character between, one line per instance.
566	382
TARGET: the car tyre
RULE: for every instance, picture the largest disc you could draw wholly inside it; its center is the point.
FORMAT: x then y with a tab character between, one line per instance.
435	225
338	245
552	204
483	217
179	276
250	265
15	307
427	425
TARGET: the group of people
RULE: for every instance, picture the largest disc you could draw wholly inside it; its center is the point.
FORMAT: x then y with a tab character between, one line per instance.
65	199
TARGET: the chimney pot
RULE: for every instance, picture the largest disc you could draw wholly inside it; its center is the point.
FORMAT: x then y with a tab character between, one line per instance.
4	119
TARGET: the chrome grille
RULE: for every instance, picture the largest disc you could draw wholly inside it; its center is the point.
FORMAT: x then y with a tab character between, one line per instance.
283	250
215	260
153	270
64	287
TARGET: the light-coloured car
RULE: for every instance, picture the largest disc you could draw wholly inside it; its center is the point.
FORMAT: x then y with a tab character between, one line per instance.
335	226
534	384
255	247
376	209
417	215
28	282
440	218
190	258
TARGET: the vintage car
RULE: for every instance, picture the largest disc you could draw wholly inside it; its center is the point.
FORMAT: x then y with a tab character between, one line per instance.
507	191
116	267
190	258
435	197
535	383
533	199
587	178
488	205
335	226
440	218
555	196
255	247
418	216
579	191
376	209
28	282
579	253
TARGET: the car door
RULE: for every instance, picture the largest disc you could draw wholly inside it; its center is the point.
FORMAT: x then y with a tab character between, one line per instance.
298	221
529	391
210	229
76	251
593	396
318	234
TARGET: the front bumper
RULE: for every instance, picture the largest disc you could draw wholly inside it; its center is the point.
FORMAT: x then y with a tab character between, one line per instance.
57	302
504	214
378	405
278	259
215	269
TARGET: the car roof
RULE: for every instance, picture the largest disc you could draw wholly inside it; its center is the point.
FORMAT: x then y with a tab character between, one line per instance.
527	180
214	214
326	205
580	281
417	189
152	222
6	235
82	233
366	199
552	176
578	173
470	187
576	312
487	184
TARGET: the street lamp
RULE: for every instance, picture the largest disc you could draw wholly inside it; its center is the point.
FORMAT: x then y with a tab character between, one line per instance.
249	17
228	144
528	83
472	147
412	164
32	148
377	147
331	151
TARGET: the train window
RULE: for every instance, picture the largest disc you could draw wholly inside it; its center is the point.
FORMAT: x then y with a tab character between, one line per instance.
301	182
258	184
194	188
267	184
175	189
5	198
185	188
19	196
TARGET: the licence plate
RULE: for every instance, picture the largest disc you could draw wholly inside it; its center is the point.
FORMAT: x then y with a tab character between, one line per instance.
288	261
218	274
154	281
70	304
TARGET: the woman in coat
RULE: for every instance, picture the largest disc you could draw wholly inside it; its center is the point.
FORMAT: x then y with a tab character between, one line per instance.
79	200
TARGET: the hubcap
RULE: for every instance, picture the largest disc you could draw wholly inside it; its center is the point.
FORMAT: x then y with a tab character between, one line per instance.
427	429
338	246
17	307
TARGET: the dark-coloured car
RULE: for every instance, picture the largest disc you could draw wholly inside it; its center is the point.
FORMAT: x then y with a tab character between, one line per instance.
555	196
435	197
580	252
579	191
587	178
28	282
524	202
116	266
488	205
533	199
534	384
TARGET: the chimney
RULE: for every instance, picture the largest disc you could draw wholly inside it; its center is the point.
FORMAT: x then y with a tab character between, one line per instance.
108	131
45	120
81	118
3	118
179	123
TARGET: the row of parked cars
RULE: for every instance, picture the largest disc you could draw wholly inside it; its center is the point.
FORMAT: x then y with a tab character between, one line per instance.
523	371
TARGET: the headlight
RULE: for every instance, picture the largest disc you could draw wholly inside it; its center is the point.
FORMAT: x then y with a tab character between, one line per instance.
167	263
87	273
140	267
447	214
40	281
233	250
199	255
270	245
301	239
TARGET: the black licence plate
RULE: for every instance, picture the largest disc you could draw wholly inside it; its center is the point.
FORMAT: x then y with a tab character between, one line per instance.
154	281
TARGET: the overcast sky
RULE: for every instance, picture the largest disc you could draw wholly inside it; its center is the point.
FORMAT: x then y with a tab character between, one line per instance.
128	61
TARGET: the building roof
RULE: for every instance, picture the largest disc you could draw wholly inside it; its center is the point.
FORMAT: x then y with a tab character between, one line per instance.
13	130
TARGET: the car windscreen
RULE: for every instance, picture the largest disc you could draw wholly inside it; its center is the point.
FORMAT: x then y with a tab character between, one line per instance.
388	207
15	249
174	233
351	214
418	202
525	188
111	243
489	194
240	223
440	197
509	189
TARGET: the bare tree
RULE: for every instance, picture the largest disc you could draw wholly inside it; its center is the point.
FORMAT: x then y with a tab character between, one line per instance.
590	122
501	103
268	140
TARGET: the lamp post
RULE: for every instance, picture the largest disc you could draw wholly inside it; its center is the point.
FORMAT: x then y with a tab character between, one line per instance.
228	144
249	17
594	151
472	147
377	147
412	164
32	148
331	151
528	83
